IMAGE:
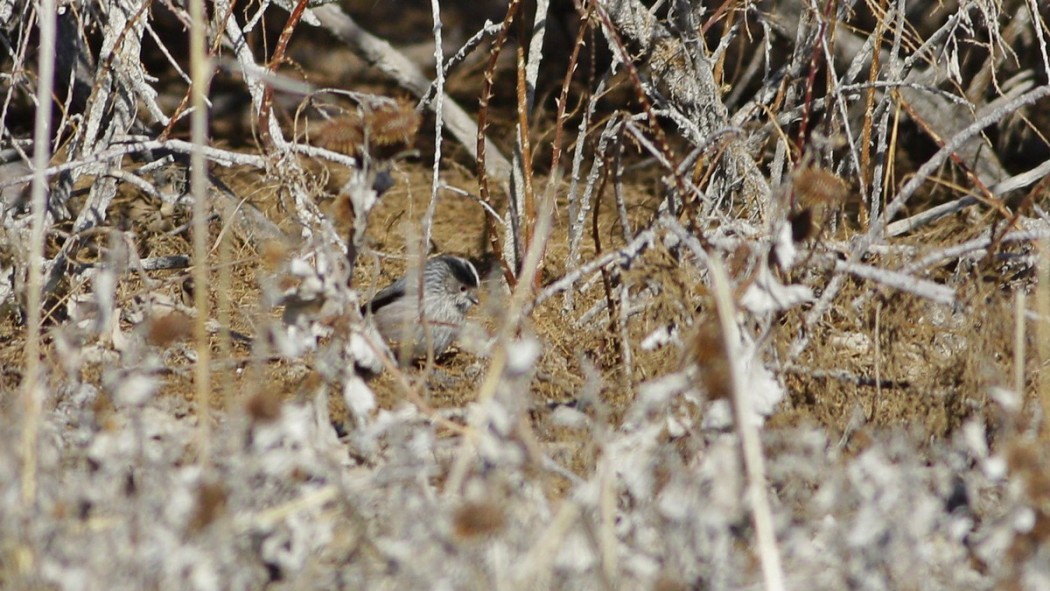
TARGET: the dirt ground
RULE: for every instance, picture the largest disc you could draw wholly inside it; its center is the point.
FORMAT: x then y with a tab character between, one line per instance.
932	373
869	361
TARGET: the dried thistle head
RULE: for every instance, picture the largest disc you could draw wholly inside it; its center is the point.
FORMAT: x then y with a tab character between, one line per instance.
474	520
708	351
818	186
211	504
342	134
264	406
393	124
169	328
383	125
817	192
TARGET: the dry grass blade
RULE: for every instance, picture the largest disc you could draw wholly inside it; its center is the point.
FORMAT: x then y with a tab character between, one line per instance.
32	380
199	72
744	414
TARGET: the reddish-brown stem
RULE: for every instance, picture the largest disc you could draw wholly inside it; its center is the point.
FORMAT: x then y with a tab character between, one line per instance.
529	219
814	63
564	96
177	115
483	108
986	196
869	111
266	106
719	13
659	137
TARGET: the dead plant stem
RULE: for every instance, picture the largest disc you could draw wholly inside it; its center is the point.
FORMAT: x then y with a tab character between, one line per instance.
31	386
748	432
199	70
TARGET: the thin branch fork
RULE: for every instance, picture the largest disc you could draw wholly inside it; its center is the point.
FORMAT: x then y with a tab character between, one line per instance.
266	108
640	243
214	50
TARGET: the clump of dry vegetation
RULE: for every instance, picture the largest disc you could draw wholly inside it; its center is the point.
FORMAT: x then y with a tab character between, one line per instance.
765	294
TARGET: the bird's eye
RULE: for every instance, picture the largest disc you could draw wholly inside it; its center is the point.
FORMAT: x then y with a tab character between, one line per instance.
462	289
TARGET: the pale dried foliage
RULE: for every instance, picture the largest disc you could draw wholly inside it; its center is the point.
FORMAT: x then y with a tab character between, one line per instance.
766	302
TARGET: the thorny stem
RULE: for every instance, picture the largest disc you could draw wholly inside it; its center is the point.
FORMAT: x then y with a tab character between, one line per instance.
526	154
563	97
483	106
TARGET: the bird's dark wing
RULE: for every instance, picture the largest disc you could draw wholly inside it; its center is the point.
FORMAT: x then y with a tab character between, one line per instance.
385	297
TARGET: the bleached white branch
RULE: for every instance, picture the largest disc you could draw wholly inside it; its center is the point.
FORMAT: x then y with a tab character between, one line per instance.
905	282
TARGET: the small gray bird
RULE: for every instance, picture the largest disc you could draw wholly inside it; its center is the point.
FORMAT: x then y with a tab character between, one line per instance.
450	286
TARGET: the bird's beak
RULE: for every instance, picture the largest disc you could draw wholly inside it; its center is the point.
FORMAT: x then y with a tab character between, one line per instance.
472	297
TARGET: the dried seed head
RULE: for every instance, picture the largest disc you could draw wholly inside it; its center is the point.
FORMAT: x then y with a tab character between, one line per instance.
393	124
343	134
168	329
382	125
819	186
710	355
473	520
264	406
211	503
